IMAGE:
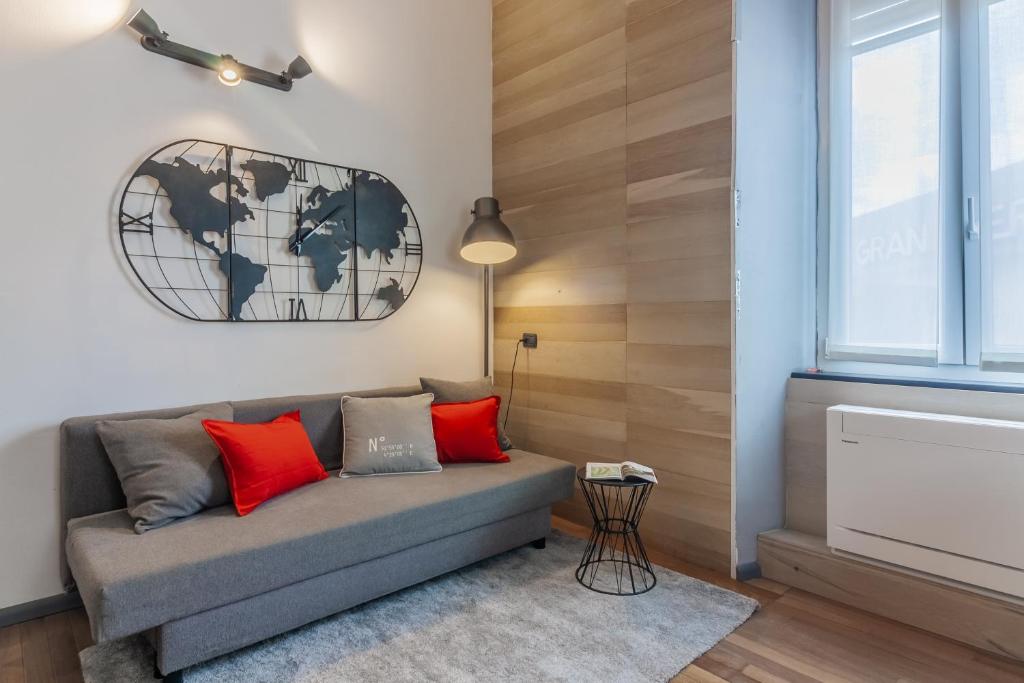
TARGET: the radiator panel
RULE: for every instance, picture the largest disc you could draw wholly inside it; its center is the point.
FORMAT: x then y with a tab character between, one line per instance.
934	493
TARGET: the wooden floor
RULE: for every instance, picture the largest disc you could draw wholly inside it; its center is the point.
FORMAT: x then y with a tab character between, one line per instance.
795	636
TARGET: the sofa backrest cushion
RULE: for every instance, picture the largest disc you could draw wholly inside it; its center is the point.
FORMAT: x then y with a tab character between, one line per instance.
89	484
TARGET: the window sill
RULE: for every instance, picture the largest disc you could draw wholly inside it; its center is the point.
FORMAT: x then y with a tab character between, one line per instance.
997	387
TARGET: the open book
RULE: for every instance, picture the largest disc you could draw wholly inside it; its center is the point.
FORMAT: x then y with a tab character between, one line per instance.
624	471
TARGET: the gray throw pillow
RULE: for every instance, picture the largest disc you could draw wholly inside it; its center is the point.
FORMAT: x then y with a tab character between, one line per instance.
446	391
168	468
388	435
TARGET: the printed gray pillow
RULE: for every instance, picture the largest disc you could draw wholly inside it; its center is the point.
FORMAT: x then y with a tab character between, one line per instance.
168	469
389	435
447	391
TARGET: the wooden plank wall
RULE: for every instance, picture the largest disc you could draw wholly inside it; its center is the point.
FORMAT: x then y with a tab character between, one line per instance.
612	160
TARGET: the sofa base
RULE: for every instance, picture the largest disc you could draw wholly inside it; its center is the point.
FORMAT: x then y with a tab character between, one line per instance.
176	677
197	638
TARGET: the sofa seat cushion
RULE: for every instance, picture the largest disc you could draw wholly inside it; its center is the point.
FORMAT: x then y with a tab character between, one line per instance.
131	582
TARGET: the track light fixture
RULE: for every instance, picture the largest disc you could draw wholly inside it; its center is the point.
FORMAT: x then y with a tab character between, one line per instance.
229	70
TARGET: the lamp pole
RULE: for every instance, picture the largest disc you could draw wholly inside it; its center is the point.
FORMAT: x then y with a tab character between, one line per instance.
488	276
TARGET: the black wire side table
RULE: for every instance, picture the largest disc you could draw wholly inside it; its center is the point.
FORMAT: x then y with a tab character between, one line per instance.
615	561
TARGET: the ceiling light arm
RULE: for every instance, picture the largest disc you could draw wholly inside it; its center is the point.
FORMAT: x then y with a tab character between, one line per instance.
183	53
208	60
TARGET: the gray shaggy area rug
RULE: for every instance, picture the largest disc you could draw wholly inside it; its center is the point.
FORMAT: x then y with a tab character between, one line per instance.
520	616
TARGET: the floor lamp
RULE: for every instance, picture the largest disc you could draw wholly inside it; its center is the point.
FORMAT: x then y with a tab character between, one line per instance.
487	241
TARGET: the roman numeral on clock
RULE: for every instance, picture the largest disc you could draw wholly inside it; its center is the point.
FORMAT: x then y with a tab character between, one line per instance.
413	249
297	311
145	223
299	170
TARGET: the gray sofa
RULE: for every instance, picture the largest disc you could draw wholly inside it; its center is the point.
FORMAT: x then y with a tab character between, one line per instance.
215	582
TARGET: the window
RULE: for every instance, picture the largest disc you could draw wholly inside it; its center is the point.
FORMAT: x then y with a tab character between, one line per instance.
922	211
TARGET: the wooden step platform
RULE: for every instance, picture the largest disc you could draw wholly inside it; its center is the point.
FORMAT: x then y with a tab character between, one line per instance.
804	561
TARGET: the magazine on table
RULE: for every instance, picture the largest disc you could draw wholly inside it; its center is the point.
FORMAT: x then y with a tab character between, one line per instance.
620	471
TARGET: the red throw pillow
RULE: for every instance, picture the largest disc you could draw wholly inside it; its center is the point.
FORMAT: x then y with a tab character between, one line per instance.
467	432
264	460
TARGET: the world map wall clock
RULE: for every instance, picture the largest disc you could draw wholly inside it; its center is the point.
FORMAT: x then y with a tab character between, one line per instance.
218	232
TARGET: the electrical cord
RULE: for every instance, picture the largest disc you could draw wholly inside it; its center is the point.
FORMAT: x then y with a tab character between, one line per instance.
511	385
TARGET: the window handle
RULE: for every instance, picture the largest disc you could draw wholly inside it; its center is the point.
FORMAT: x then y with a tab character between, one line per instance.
972	232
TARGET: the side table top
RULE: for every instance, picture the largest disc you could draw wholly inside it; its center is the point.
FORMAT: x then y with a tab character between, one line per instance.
581	474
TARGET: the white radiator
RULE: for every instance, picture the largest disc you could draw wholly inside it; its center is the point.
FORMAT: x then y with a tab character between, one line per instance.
939	494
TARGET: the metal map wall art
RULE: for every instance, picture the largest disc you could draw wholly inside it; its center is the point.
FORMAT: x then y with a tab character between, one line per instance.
216	232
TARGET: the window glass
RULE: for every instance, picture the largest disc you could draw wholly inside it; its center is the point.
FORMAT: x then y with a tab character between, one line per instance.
1003	231
884	272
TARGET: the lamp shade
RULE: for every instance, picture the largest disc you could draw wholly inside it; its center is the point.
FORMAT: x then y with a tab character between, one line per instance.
299	68
487	240
144	25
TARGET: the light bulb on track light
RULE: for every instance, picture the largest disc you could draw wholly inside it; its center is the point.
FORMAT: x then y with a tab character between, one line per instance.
230	72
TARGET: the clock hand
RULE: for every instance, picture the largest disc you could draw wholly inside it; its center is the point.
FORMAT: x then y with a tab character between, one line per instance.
300	236
321	224
293	243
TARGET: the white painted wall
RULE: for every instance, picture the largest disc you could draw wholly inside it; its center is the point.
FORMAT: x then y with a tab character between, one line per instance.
775	173
402	86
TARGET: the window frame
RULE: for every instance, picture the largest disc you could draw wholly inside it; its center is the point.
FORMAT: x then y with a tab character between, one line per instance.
963	148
